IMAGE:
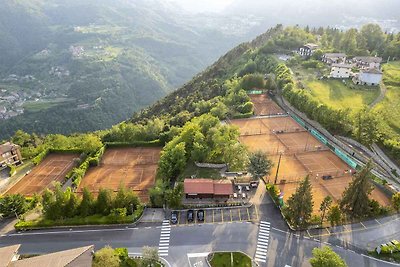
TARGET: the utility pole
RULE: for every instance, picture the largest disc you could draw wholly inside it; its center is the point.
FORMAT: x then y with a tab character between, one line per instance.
277	169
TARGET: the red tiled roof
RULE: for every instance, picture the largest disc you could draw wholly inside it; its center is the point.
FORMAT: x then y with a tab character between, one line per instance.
223	187
198	186
208	186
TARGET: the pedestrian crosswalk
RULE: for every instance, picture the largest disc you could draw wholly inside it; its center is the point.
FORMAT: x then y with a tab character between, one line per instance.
262	242
163	247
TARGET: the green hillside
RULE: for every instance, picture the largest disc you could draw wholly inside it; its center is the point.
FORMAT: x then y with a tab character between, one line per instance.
111	58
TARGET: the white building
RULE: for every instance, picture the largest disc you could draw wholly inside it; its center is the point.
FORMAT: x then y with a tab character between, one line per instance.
368	77
340	71
334	58
367	62
307	50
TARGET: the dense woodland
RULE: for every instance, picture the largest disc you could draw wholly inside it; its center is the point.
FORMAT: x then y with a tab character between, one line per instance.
92	64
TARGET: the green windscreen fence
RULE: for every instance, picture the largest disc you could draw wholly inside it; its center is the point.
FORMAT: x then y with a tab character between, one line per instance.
255	92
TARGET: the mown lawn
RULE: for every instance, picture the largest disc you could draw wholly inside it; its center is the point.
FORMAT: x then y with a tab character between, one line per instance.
390	106
336	94
196	172
223	259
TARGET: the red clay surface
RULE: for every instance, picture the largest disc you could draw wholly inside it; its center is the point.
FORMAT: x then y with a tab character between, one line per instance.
134	168
302	155
263	105
52	169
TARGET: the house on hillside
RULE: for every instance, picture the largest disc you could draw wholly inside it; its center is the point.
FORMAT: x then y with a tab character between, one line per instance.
207	188
77	257
334	58
371	77
307	50
340	71
9	155
367	62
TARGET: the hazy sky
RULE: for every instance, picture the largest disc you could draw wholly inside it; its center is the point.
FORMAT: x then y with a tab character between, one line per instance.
203	5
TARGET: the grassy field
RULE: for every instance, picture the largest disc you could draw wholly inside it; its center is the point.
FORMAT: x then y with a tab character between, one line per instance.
193	170
223	259
35	106
336	94
390	106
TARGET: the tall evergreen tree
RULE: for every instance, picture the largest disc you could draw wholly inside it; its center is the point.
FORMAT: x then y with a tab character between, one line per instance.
104	202
300	204
355	200
325	205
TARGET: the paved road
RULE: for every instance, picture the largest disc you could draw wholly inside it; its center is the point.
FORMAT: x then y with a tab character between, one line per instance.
283	248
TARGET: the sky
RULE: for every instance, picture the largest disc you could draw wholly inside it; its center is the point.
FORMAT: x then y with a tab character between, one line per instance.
203	5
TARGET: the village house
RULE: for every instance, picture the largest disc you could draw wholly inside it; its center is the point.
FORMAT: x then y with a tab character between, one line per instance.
334	58
77	257
207	188
307	50
371	77
341	71
367	62
9	155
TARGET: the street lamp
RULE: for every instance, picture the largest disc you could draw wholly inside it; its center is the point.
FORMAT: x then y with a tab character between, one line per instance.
279	164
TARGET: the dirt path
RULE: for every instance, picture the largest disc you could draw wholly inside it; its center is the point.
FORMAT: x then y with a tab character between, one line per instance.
380	97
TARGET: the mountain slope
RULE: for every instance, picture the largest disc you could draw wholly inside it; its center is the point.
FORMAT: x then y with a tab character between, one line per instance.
80	66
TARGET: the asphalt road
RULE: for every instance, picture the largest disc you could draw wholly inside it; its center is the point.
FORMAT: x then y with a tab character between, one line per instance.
284	248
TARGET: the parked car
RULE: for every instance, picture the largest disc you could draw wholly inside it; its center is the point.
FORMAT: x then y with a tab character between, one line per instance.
174	217
235	195
190	215
326	177
247	188
243	195
200	215
254	184
239	187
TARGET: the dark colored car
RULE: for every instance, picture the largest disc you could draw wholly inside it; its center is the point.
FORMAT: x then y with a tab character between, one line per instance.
190	215
174	217
200	215
326	177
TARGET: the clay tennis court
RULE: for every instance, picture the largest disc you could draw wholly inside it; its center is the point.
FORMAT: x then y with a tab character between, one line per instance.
253	126
267	143
290	170
264	106
134	168
334	188
300	142
52	169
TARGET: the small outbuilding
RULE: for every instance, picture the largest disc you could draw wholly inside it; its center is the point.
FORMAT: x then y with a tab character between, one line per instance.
307	50
207	188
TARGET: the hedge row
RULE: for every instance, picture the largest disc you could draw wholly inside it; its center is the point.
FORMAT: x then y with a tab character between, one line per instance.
154	143
76	221
242	115
40	157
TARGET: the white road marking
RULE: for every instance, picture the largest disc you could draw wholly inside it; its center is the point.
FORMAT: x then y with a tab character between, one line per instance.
165	235
262	242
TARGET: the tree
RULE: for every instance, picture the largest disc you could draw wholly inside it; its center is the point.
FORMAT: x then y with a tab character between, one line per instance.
355	200
71	207
366	126
335	215
149	256
106	257
220	110
349	42
300	204
87	203
326	257
12	205
374	37
173	160
396	201
174	197
325	205
104	202
259	165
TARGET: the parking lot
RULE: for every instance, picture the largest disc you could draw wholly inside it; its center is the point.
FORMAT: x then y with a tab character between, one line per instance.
221	215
